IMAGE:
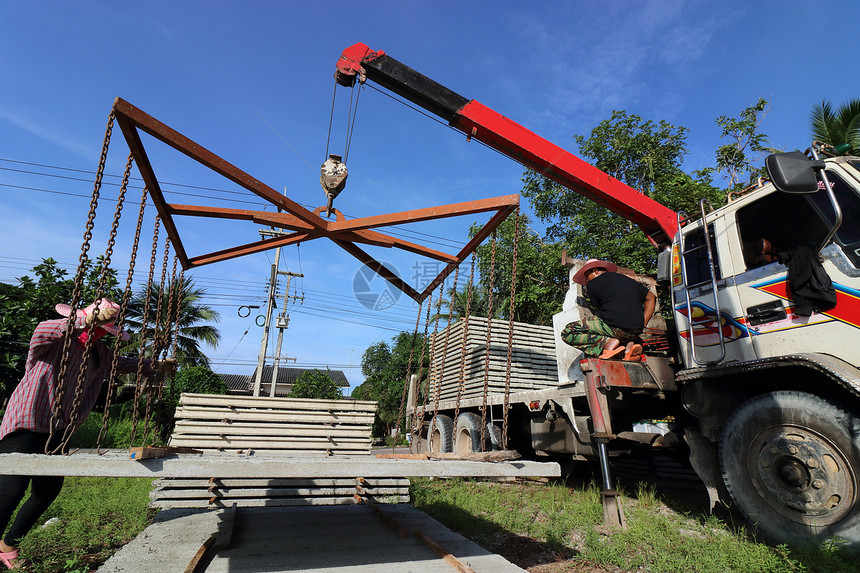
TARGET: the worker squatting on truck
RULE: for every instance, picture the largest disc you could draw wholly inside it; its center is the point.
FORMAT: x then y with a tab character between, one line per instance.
754	369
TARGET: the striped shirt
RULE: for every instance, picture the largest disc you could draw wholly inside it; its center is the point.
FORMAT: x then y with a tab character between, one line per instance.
32	402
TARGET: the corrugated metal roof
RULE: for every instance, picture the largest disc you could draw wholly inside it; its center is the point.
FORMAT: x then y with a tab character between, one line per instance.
244	384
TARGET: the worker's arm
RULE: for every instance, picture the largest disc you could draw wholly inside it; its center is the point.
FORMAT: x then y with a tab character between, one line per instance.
649	305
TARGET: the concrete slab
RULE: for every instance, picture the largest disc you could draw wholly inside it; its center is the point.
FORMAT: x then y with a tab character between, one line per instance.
171	542
113	464
345	539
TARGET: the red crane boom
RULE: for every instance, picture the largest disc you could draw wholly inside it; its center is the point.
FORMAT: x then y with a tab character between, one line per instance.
658	222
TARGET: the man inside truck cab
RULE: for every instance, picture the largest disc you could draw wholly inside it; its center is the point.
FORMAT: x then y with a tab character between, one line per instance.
623	307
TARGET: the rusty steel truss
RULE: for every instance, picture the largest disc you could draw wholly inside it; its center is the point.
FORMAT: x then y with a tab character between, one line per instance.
300	224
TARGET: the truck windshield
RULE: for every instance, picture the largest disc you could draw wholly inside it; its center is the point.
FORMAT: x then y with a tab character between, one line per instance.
778	223
848	235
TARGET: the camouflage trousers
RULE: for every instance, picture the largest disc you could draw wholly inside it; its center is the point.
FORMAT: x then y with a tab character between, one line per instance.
589	334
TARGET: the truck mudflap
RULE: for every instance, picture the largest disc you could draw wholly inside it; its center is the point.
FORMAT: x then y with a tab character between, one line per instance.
845	374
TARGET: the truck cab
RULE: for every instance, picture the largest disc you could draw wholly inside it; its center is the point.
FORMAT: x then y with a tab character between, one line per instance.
751	314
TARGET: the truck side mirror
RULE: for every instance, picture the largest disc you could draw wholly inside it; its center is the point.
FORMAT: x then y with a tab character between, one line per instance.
793	172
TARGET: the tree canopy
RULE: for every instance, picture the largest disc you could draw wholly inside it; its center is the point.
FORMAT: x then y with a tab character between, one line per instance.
194	320
31	301
386	370
643	154
541	281
838	127
315	384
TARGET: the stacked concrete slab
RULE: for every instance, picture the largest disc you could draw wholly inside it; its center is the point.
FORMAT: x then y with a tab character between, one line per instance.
533	361
289	425
274	492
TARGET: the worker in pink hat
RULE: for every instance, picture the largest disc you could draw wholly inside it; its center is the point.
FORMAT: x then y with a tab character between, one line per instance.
623	307
26	425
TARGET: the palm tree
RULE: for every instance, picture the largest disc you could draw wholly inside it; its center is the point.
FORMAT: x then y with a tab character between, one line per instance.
838	127
193	318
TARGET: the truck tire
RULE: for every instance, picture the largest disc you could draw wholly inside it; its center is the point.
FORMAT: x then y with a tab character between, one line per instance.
440	435
467	436
791	461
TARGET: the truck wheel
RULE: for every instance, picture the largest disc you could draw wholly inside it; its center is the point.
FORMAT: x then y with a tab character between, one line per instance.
441	434
790	461
467	437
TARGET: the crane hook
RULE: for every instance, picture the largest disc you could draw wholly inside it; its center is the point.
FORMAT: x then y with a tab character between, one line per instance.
333	179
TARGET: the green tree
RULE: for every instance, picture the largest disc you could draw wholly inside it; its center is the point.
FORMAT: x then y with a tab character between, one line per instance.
315	384
746	144
643	154
193	380
541	279
385	369
838	127
194	316
32	300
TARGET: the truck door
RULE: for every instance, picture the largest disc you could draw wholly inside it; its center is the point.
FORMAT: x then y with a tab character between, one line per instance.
712	325
788	222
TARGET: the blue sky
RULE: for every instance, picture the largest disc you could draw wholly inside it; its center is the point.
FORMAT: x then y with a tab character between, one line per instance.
252	82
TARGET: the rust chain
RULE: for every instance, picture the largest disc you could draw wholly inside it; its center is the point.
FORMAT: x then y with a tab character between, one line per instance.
181	293
158	342
489	333
57	413
139	381
462	375
166	342
434	368
418	420
82	382
511	329
444	360
174	299
120	321
408	375
99	290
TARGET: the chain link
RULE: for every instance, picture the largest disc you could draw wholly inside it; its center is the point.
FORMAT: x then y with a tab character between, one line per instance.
489	333
408	376
57	413
140	382
120	321
181	293
511	329
434	367
462	375
158	342
418	421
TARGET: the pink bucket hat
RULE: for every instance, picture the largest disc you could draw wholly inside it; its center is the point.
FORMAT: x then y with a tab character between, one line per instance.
579	277
104	303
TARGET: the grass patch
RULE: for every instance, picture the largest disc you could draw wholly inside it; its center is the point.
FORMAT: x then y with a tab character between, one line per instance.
118	434
566	522
94	517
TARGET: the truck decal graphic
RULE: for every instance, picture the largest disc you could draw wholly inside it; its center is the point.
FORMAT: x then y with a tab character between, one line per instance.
847	307
705	325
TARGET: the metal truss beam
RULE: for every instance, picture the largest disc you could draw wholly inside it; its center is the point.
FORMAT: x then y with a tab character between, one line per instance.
305	225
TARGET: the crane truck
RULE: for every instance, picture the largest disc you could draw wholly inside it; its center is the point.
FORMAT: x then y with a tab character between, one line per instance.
762	390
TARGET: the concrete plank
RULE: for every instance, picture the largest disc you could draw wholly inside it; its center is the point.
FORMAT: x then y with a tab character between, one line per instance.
115	464
170	542
344	539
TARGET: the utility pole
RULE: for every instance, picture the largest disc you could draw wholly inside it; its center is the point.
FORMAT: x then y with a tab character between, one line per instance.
282	321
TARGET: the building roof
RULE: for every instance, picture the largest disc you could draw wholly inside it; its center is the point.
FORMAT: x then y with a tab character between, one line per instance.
244	384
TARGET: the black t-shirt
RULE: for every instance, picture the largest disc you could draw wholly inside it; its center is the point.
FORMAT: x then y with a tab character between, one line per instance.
619	300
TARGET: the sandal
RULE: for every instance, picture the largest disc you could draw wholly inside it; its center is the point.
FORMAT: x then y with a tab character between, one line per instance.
8	558
633	353
611	353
